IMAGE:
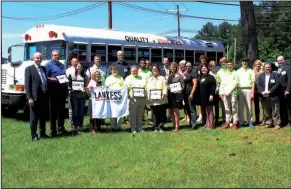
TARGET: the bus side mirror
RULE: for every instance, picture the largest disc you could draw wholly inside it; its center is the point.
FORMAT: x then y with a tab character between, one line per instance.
9	57
9	50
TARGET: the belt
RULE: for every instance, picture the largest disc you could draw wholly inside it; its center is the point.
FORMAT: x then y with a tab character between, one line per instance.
245	87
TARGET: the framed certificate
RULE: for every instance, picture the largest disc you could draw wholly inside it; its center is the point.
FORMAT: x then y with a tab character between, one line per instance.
175	87
156	94
77	85
62	78
138	92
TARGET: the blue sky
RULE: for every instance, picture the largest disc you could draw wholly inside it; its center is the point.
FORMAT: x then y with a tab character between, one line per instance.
124	19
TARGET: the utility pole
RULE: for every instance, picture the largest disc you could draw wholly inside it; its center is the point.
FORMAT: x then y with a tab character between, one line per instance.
178	17
109	14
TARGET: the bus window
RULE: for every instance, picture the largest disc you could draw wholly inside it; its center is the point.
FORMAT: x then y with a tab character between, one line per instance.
197	57
219	55
189	55
143	52
82	51
179	55
169	53
112	52
46	49
98	50
129	54
211	56
156	56
31	51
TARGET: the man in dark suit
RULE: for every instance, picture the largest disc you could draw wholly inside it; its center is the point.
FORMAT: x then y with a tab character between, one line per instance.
268	87
36	87
285	87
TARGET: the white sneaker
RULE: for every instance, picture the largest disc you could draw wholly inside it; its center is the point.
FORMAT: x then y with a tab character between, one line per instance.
161	131
133	132
199	118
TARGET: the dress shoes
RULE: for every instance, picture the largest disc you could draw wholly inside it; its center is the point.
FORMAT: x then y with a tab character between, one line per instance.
35	138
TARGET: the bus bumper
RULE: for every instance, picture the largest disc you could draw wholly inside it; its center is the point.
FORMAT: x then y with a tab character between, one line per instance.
13	101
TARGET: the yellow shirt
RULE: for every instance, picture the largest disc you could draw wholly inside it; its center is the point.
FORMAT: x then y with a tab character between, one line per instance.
114	81
246	77
145	74
229	81
220	76
157	83
131	81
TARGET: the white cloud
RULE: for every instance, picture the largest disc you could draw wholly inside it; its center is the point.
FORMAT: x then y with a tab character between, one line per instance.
11	35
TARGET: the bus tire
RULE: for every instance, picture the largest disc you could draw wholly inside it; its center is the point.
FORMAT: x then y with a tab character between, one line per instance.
9	111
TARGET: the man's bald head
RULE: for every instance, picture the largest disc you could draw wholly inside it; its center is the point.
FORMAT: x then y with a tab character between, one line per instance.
281	60
37	58
74	62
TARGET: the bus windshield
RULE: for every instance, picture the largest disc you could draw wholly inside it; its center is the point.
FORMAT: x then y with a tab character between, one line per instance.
46	48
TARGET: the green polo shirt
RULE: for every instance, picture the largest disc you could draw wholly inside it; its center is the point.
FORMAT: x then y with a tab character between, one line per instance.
146	74
246	77
221	74
114	81
131	82
229	80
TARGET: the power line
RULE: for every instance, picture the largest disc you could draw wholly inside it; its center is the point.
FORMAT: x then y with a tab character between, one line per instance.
161	6
228	4
32	5
231	4
183	5
70	13
182	15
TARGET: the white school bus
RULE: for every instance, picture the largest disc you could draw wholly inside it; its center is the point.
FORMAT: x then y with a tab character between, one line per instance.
87	43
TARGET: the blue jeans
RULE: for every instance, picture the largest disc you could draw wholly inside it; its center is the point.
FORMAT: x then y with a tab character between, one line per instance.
78	106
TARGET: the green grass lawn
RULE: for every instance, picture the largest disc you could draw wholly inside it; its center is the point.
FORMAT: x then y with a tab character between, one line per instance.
186	158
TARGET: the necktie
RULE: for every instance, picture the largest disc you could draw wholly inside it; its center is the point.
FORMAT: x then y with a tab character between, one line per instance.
43	79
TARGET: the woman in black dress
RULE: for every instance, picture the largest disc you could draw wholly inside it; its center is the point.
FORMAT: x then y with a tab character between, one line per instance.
207	90
175	84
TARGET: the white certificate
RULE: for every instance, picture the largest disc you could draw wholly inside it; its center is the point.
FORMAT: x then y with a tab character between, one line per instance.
62	78
156	94
138	92
175	87
78	85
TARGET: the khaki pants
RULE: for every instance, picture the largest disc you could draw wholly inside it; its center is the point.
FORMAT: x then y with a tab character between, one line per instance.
271	109
136	112
244	99
230	104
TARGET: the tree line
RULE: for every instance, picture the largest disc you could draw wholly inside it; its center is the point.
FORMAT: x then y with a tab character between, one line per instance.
265	34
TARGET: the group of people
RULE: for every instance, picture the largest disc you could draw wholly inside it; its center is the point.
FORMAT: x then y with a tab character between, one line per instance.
168	87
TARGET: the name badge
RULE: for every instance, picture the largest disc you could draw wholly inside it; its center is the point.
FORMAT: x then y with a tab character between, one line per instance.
175	87
78	85
62	78
198	72
156	94
272	80
283	73
125	69
138	92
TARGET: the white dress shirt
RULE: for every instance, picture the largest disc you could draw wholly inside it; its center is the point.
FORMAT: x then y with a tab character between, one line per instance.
42	77
267	78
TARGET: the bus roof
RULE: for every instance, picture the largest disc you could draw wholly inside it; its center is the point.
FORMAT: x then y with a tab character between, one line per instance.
107	36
